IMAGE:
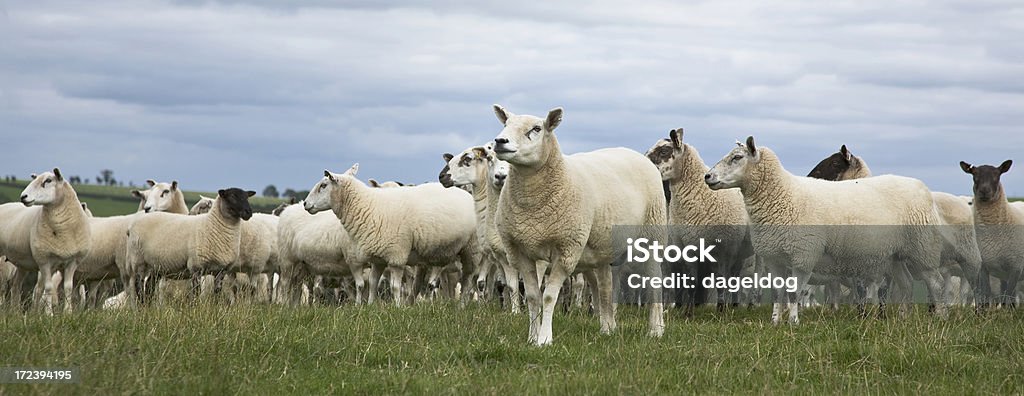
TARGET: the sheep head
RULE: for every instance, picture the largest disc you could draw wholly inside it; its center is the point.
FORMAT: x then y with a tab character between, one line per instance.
525	139
44	189
733	169
987	186
320	196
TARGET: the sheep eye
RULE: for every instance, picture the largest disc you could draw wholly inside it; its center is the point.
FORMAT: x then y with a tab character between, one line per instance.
532	132
737	158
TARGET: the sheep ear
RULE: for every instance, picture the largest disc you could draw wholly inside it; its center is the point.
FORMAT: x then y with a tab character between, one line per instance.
554	118
137	194
220	193
250	193
968	168
676	136
353	170
32	176
372	183
502	114
447	157
151	182
85	206
56	172
1005	166
292	201
330	176
481	152
750	145
174	185
400	184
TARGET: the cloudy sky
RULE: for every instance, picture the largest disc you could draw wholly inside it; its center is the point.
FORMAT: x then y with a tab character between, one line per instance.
250	93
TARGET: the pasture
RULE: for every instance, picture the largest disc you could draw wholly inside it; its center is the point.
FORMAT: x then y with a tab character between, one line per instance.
438	347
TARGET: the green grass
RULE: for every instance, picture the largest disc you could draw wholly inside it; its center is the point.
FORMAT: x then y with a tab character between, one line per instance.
112	200
441	348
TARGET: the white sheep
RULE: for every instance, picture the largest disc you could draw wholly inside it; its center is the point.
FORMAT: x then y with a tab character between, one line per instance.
719	215
424	225
797	222
485	174
258	252
166	244
161	197
960	255
46	232
561	209
1000	229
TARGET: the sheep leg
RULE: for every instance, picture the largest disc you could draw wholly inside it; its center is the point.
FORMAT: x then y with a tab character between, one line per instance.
49	291
512	286
529	270
590	277
69	286
1010	291
397	272
418	280
360	283
802	277
376	270
552	287
605	307
17	299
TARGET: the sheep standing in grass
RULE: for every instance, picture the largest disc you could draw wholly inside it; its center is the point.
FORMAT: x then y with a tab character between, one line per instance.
46	232
422	225
717	215
1000	228
479	168
560	210
796	222
960	255
258	252
170	244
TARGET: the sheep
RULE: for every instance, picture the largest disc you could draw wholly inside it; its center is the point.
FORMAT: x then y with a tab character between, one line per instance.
998	224
161	197
794	223
46	232
387	184
169	244
422	225
560	210
258	254
960	255
479	169
318	245
716	214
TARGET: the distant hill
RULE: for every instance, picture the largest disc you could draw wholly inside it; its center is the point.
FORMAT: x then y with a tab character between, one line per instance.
111	200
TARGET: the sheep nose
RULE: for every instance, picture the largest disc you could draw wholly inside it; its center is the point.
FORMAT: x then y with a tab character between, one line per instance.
501	140
707	176
500	177
24	197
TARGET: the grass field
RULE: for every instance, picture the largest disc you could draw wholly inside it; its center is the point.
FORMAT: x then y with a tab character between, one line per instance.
440	348
112	200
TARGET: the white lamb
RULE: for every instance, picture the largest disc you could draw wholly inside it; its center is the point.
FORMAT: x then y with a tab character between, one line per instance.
419	226
561	209
1000	228
797	222
46	232
168	244
719	215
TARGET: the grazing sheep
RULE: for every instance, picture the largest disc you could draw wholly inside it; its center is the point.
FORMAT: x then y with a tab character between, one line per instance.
1000	228
718	215
46	232
258	252
795	223
419	226
560	210
479	169
960	255
168	244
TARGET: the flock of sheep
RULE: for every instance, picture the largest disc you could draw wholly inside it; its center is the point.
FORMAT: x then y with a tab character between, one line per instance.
517	210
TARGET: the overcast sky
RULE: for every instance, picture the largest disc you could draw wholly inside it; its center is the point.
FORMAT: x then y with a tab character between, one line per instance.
250	93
